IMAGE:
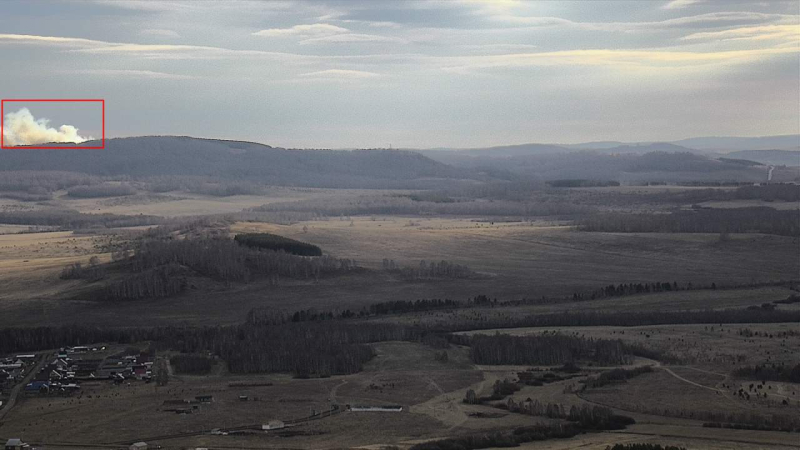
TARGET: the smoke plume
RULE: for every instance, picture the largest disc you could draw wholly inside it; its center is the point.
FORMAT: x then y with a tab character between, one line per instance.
21	128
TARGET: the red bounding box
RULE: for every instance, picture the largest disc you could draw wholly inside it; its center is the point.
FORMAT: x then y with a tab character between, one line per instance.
57	100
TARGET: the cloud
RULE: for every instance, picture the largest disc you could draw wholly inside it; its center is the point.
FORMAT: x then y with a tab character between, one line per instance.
352	38
341	74
757	33
621	59
680	4
21	128
314	29
49	40
128	73
160	33
707	20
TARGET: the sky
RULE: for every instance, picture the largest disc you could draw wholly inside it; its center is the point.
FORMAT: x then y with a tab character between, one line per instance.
365	74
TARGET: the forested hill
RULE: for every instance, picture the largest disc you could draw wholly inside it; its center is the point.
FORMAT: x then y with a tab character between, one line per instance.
154	156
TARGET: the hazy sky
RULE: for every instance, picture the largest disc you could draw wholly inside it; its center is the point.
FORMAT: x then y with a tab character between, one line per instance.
411	74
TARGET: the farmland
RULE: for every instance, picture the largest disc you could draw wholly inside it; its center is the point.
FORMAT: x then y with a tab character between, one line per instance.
398	299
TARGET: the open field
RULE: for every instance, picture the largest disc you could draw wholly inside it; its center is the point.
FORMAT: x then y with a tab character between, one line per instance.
514	260
178	203
402	373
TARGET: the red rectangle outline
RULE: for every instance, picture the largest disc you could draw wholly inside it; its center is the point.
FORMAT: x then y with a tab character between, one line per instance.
30	147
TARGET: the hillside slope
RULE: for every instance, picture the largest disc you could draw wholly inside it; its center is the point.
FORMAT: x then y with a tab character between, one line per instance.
151	156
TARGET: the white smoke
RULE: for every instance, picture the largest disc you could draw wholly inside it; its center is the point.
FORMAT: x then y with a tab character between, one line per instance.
21	128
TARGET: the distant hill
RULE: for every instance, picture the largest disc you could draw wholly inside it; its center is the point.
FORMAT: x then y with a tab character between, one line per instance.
729	143
597	145
499	151
651	162
153	156
774	157
641	149
506	151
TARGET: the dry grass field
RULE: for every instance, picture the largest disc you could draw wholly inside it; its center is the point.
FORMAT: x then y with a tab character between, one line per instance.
515	260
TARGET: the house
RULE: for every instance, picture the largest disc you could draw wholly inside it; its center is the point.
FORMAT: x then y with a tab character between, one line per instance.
138	446
140	371
16	444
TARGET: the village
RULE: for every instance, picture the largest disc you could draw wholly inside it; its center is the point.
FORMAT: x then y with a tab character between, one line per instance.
93	373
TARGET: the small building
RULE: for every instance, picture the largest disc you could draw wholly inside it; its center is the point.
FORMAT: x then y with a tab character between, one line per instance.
37	387
243	398
204	398
384	408
273	425
16	444
138	446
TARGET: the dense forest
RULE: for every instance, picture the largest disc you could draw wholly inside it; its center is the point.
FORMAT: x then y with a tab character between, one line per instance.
543	349
268	241
225	260
192	364
738	220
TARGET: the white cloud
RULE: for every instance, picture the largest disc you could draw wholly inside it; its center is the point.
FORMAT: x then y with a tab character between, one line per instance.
314	29
757	33
680	4
49	40
160	33
341	74
21	128
715	19
617	59
130	73
352	38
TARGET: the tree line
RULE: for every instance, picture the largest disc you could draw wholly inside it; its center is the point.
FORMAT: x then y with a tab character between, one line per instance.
192	364
306	349
542	349
622	319
588	417
770	372
101	190
225	260
72	219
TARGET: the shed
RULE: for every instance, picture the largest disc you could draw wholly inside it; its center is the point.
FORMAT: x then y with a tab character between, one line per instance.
15	444
138	446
